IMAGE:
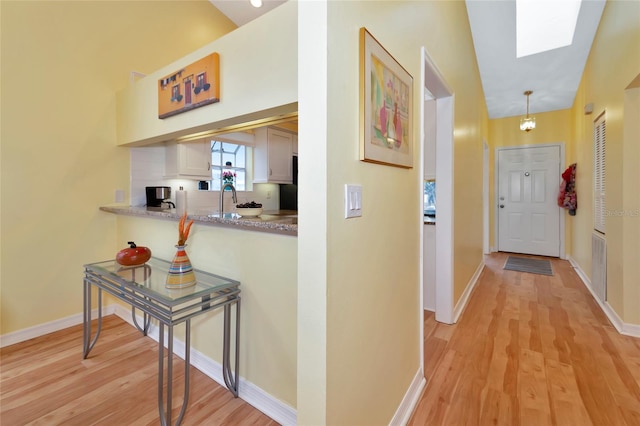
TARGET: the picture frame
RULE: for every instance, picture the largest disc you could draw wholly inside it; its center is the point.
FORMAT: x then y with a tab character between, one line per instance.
386	106
194	86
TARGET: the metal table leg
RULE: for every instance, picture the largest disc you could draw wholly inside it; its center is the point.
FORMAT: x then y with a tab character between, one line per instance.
146	321
88	344
231	380
165	413
146	318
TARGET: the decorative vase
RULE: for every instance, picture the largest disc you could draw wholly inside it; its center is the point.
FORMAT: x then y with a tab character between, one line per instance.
181	273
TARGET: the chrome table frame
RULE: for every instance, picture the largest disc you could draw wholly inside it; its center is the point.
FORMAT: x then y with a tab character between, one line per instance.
132	285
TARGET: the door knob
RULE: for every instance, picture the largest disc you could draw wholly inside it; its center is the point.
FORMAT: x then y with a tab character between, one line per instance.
502	206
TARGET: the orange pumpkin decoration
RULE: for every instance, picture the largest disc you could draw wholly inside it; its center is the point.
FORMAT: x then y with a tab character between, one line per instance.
133	255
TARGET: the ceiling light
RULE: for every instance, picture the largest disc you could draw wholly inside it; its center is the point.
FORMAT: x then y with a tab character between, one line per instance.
527	123
543	25
256	3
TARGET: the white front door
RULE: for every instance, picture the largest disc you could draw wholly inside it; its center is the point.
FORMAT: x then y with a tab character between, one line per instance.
528	213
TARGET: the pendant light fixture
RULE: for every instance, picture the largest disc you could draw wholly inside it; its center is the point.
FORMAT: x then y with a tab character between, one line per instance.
527	123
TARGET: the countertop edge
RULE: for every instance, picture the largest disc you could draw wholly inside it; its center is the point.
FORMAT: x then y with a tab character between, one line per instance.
275	226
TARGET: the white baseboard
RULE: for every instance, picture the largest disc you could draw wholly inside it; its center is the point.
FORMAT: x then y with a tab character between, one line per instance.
46	328
632	330
464	299
252	394
411	398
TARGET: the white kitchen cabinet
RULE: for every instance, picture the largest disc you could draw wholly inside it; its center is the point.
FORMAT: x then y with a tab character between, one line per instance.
188	160
273	156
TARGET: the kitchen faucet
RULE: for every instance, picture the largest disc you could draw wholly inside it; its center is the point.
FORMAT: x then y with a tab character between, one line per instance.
233	196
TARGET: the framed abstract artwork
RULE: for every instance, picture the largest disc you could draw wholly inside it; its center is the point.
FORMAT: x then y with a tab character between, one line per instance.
386	100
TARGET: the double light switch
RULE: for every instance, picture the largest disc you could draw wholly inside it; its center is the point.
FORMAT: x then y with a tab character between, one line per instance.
352	201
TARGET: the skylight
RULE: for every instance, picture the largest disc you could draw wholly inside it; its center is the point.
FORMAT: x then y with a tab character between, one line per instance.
543	25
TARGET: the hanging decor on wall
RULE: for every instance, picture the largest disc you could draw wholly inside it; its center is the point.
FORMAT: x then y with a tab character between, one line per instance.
196	85
386	100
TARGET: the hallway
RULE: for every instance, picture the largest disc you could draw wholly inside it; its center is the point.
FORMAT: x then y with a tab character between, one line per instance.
529	350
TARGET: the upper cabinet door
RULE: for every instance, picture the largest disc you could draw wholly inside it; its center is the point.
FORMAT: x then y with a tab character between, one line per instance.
196	158
189	160
272	158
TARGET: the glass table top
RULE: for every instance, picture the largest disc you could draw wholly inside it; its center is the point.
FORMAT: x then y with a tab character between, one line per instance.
150	278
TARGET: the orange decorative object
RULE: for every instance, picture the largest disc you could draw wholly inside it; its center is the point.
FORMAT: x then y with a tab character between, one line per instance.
181	273
133	255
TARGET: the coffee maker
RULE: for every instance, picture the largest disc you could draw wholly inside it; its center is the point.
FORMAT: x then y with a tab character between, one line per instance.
157	197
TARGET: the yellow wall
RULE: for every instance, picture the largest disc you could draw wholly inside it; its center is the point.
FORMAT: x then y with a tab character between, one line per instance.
62	63
266	266
255	82
367	270
631	203
614	62
551	127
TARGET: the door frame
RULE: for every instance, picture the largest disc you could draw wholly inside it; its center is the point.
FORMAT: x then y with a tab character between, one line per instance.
486	202
431	80
435	88
496	178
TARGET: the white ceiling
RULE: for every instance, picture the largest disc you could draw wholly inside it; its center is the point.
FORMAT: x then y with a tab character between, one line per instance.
553	76
241	11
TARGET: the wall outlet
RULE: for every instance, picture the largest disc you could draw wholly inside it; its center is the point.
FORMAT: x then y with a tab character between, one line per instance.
119	196
268	195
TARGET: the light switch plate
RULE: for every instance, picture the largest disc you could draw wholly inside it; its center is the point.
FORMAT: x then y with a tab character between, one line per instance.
119	196
352	201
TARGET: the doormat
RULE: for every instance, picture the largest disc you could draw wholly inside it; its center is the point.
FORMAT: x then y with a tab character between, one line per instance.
525	264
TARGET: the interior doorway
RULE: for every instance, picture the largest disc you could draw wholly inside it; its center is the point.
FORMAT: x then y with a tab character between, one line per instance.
437	142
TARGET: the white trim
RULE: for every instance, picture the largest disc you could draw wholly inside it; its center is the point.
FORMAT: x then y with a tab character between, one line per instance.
627	329
433	81
410	400
427	95
46	328
485	197
444	199
464	299
252	394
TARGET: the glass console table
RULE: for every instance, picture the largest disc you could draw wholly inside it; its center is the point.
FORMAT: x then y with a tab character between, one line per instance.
143	287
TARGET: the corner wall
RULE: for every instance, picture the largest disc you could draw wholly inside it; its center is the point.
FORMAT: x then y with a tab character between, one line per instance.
371	323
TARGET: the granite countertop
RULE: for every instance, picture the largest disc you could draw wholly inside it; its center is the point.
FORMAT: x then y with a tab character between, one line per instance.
274	221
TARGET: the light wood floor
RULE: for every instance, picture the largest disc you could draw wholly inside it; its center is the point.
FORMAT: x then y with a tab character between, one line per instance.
529	350
45	381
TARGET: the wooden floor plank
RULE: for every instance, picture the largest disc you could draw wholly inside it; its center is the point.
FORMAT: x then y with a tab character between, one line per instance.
45	381
529	350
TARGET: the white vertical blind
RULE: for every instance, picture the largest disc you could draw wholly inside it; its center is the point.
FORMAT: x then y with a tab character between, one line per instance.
599	173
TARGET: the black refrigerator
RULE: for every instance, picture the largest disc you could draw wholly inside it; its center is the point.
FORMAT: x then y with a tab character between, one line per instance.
289	192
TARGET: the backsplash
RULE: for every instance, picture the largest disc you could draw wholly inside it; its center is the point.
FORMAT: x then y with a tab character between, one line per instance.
147	169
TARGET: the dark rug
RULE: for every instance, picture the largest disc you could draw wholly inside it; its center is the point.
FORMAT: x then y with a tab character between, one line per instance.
525	264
